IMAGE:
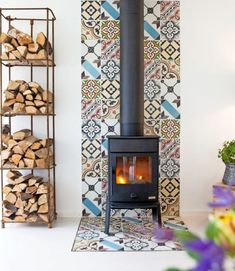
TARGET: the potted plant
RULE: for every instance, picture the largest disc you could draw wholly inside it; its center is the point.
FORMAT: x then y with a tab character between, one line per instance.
227	154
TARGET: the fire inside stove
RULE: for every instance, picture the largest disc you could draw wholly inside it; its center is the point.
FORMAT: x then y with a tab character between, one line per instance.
134	170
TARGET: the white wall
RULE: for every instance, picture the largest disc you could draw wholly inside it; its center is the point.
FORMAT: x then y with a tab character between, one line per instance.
208	96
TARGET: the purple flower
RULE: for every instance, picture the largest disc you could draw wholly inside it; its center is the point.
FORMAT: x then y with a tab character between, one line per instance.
164	233
210	256
224	197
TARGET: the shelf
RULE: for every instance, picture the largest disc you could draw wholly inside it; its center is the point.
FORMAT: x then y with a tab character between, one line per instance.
27	63
27	168
25	115
11	213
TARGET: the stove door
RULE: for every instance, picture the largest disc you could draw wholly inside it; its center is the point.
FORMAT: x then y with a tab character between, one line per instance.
133	177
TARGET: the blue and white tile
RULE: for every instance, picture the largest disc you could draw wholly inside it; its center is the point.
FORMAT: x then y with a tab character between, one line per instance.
110	10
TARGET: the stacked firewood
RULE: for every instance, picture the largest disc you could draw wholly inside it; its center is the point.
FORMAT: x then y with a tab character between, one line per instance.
30	98
26	198
23	150
20	46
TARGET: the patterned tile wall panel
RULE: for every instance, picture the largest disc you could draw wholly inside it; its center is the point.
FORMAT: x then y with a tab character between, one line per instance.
100	62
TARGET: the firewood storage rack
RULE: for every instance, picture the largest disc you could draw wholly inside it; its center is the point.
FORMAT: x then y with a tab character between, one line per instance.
45	17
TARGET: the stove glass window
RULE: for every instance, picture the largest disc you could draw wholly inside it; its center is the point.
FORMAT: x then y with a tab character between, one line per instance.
134	170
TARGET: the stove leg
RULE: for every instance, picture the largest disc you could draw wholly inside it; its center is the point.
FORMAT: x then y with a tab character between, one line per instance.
159	214
156	211
107	219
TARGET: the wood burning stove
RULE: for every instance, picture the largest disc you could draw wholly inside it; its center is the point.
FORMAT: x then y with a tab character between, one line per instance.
133	157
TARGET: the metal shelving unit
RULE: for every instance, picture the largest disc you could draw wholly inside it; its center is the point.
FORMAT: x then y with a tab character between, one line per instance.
47	17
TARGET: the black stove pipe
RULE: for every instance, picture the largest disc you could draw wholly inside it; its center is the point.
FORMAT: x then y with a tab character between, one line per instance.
132	67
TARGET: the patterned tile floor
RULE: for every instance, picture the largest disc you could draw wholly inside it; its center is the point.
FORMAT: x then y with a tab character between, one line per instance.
126	234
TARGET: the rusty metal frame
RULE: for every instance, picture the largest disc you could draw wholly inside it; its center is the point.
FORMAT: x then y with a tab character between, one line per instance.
49	65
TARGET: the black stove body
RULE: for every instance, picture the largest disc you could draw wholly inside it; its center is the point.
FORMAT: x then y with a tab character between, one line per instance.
133	157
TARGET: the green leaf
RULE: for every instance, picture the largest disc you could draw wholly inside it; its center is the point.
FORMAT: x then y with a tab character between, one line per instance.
211	231
185	236
173	269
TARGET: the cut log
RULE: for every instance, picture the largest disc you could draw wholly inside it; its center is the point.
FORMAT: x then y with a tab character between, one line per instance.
23	87
29	97
42	54
30	154
27	92
31	189
13	85
22	38
12	56
8	47
22	134
18	107
47	141
7	189
11	143
38	97
16	158
12	175
30	56
22	50
20	203
5	154
9	206
34	180
47	96
25	144
17	150
33	208
29	103
43	153
20	212
19	219
31	110
43	109
43	209
44	217
41	163
14	43
8	103
17	54
16	188
9	165
4	56
5	138
32	218
33	200
19	97
21	164
29	163
33	48
34	85
11	197
43	189
35	146
42	199
35	90
39	103
25	196
9	95
4	38
22	179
